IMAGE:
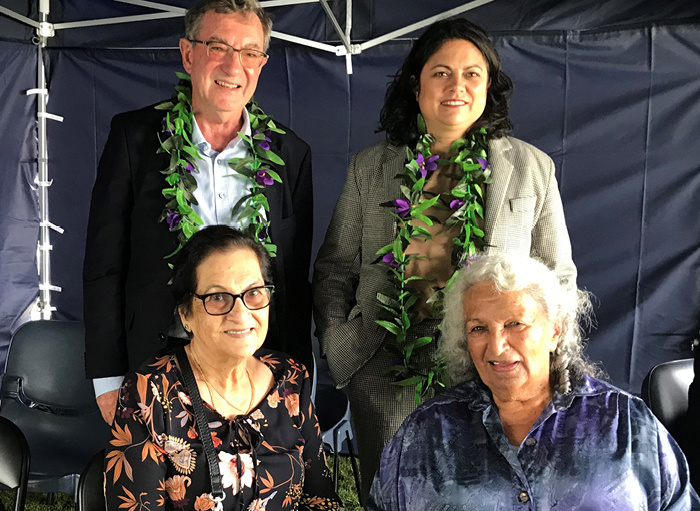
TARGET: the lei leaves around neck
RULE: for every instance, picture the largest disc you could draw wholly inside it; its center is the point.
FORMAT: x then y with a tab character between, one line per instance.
176	140
468	159
257	169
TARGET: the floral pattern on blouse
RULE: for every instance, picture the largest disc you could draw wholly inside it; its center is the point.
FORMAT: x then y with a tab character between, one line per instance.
270	459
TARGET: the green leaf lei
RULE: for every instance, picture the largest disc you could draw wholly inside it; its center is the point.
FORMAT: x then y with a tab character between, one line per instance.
469	158
175	139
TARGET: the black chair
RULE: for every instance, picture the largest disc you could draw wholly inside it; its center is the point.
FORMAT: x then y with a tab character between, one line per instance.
14	461
45	393
665	391
91	495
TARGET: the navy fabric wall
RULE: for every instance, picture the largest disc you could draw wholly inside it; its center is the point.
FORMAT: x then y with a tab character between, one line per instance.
19	216
618	109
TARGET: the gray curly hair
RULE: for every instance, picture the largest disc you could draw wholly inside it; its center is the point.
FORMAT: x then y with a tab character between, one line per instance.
194	15
566	308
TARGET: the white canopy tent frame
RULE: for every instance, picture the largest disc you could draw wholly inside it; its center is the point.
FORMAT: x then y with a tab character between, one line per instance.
43	308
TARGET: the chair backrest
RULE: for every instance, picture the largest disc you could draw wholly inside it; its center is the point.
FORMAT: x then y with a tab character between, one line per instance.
14	461
665	391
46	394
46	367
91	495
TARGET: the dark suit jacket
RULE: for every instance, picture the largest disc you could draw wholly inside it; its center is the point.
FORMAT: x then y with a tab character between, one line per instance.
127	302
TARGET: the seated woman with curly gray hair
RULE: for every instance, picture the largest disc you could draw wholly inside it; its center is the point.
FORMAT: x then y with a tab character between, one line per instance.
528	425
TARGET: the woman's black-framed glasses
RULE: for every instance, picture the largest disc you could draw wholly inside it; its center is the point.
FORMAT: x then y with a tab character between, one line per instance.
218	304
217	50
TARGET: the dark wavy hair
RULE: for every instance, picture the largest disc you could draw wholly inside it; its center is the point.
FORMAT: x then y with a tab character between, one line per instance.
201	245
400	110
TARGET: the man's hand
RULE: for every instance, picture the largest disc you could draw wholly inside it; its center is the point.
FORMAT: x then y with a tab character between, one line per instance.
107	403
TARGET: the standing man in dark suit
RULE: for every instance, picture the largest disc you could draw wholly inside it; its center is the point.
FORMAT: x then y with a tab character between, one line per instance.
127	304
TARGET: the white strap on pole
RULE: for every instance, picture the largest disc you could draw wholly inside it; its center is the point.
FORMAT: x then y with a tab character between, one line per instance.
43	92
49	116
53	226
49	287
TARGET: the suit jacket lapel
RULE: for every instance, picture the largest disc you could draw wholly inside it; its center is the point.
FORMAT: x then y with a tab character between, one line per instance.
501	170
275	194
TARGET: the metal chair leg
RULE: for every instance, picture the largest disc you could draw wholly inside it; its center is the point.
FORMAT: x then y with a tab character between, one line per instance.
355	471
336	461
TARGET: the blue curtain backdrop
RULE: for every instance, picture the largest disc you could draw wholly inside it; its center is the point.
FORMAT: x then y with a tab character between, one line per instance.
611	92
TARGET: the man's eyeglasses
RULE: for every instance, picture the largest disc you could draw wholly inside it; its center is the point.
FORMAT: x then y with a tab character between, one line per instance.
219	51
218	304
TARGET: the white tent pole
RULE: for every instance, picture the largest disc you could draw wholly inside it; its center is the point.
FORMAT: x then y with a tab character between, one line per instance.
114	21
44	31
19	17
306	42
348	32
264	4
426	22
336	25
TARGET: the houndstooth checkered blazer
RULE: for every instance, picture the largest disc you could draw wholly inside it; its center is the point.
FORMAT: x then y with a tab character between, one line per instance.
523	214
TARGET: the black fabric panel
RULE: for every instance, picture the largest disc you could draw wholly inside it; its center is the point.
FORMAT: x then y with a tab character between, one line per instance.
19	216
374	18
669	275
604	161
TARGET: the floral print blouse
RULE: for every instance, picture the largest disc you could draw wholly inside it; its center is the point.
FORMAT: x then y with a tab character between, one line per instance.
270	459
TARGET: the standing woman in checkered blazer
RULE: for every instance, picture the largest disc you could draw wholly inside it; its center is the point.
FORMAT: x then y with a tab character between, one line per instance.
446	183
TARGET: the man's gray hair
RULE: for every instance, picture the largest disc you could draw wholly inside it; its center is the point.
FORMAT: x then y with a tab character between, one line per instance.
569	309
194	15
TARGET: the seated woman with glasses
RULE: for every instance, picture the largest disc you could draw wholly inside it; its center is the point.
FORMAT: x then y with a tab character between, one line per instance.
253	404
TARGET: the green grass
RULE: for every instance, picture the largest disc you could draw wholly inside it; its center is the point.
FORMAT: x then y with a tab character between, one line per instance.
39	501
346	483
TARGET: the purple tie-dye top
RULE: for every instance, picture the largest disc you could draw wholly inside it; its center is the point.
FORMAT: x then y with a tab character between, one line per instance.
597	448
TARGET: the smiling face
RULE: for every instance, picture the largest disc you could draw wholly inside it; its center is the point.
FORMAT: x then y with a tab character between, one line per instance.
221	89
510	340
238	334
452	88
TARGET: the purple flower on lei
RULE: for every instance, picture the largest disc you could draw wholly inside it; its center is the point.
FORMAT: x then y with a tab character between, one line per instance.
403	207
263	178
188	168
262	235
173	219
164	126
456	204
425	166
390	260
484	163
265	144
